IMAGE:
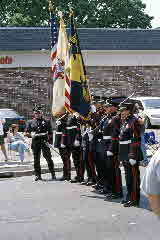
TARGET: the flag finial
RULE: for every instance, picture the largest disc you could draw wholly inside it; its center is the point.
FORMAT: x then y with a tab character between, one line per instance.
51	6
70	8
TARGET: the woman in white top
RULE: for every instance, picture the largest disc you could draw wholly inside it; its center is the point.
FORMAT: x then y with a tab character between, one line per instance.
17	141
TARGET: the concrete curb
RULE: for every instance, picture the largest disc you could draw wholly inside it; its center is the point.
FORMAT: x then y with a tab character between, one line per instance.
22	173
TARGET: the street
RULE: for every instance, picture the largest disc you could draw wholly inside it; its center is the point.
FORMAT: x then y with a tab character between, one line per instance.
64	211
57	210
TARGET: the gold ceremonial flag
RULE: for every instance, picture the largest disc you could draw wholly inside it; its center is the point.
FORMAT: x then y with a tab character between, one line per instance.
60	70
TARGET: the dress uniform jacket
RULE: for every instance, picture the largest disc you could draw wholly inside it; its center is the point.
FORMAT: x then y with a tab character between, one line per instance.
41	130
72	131
130	140
60	131
115	126
130	148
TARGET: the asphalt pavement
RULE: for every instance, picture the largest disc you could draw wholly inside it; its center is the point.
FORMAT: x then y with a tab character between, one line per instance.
47	210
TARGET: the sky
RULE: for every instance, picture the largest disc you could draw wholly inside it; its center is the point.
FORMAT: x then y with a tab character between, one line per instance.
153	9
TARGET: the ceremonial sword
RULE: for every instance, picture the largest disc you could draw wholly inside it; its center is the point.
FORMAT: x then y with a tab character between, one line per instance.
51	147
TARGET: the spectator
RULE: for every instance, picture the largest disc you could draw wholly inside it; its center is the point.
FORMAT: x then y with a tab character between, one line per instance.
17	141
2	144
140	114
151	183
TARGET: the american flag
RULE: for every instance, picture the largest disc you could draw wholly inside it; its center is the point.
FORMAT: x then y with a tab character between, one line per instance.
54	40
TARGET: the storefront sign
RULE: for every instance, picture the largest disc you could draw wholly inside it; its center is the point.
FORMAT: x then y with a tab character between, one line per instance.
6	60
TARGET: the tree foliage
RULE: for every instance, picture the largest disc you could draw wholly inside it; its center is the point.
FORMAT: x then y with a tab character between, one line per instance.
89	13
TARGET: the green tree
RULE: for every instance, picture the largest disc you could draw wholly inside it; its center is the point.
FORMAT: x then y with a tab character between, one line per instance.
89	13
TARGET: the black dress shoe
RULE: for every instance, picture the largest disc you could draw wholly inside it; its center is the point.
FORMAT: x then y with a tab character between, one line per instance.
74	180
77	180
81	179
84	182
97	186
38	178
103	191
131	204
114	196
63	178
124	201
89	183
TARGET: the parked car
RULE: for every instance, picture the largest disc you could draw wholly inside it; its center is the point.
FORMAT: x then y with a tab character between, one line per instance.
11	117
151	108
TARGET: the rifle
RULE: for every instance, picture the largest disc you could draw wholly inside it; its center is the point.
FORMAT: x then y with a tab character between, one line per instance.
125	100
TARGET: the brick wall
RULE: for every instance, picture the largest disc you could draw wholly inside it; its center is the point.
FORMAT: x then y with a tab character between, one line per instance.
20	89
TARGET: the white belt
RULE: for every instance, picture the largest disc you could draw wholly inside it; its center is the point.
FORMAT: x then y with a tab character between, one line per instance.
106	137
58	133
69	128
125	142
40	134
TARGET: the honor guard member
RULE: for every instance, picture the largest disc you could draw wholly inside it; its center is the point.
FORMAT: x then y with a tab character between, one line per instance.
88	163
63	149
98	148
130	153
106	128
72	141
114	172
95	136
41	132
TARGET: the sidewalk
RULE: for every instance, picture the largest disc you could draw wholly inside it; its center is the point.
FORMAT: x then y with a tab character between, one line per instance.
14	167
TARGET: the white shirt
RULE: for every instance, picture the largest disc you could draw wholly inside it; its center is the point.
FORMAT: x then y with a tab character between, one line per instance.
2	121
13	138
151	180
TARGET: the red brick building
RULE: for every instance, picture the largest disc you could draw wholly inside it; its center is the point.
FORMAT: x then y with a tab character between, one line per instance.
118	61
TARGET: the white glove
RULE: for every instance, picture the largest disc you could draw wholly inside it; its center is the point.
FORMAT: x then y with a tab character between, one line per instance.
58	122
33	134
109	154
63	146
93	109
76	143
87	130
132	162
76	114
90	136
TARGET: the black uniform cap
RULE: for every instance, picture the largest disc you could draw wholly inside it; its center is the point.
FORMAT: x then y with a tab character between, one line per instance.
115	101
37	110
129	106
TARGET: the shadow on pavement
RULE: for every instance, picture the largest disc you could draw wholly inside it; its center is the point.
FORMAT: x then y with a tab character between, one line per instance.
144	204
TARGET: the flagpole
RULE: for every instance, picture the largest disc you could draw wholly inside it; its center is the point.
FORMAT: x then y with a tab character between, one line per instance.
51	9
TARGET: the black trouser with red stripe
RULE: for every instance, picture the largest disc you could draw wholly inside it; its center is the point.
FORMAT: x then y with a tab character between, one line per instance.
132	176
114	175
77	155
89	165
65	154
